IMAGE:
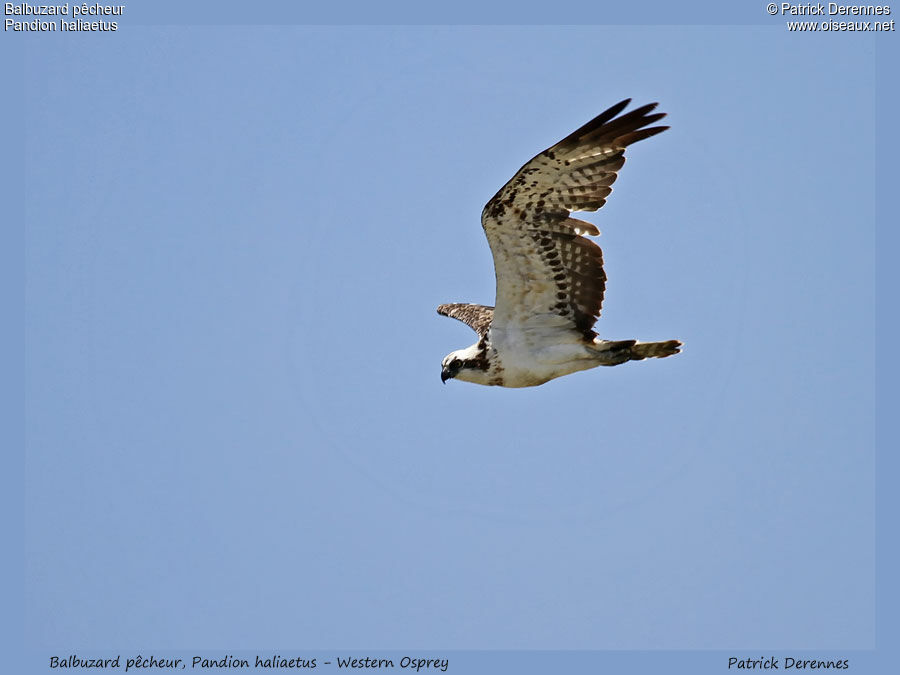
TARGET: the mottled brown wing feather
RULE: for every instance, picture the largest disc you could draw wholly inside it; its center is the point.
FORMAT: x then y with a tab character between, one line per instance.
477	317
548	274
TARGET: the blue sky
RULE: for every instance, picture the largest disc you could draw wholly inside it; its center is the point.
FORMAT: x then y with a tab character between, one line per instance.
235	428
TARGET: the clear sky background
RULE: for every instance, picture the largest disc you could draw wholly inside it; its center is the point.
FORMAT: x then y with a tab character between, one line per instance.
236	434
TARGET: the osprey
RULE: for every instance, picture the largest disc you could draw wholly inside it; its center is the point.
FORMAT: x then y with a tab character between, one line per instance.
550	278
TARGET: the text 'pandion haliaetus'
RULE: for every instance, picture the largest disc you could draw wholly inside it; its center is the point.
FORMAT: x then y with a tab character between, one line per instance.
550	278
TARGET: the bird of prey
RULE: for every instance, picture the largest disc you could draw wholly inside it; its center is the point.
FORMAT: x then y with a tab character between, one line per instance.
550	278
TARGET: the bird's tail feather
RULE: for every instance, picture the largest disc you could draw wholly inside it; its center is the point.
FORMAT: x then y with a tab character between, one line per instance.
655	350
614	352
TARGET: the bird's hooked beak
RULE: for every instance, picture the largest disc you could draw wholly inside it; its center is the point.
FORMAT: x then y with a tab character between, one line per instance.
445	375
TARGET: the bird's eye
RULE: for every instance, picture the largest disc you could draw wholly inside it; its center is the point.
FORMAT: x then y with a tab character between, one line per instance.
456	365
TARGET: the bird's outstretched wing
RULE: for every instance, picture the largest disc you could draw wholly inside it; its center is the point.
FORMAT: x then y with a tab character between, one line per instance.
476	317
548	274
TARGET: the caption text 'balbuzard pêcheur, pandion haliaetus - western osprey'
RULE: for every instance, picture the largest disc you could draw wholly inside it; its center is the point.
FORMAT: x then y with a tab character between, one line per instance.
550	278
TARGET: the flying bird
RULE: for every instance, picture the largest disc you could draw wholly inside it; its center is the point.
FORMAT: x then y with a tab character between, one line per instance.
550	278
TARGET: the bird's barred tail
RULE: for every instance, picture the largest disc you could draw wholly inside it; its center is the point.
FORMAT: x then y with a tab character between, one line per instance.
654	350
614	352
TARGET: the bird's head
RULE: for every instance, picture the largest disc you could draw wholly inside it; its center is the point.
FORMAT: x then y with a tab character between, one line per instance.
463	364
451	365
